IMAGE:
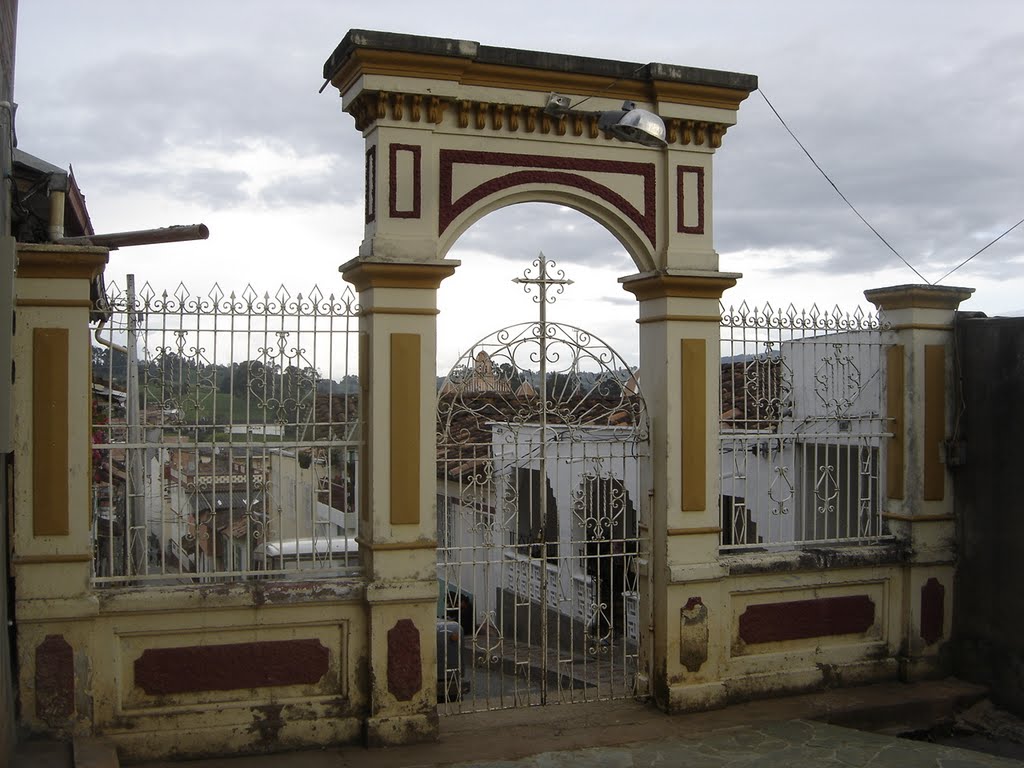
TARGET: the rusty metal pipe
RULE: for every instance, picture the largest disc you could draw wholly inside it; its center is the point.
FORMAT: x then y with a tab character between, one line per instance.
175	234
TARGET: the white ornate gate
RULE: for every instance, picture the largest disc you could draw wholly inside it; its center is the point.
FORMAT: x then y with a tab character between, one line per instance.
541	434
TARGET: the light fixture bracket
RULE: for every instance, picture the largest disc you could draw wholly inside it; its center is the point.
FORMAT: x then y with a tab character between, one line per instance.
630	124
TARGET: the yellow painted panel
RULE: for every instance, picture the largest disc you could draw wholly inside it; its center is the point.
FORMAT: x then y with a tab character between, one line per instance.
694	420
894	393
405	429
50	467
934	421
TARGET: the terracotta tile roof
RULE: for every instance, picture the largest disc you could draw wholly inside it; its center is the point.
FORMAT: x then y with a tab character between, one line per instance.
753	393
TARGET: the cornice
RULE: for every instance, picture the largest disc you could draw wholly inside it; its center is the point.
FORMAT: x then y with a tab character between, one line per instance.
385	274
473	115
692	286
364	61
367	52
43	260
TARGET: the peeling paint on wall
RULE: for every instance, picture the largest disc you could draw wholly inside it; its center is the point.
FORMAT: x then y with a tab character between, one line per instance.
55	680
693	634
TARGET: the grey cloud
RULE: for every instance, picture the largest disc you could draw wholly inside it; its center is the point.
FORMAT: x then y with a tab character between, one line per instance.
130	110
918	119
207	187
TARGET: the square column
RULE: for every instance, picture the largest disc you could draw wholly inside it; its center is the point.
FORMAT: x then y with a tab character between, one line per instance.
397	514
921	408
680	376
52	526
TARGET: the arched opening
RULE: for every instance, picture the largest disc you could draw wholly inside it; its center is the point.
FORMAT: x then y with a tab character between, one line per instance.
541	438
632	226
481	297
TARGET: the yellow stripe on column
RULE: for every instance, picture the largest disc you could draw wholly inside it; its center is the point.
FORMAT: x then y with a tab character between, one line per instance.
365	434
694	446
405	429
50	467
934	421
894	390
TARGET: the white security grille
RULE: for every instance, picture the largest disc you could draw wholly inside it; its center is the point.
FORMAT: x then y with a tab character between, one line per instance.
802	427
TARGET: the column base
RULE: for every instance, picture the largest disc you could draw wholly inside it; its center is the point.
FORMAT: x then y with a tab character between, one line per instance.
397	730
917	668
694	698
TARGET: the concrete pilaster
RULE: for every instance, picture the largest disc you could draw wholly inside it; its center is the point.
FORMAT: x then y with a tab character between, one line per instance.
921	409
52	537
397	517
680	378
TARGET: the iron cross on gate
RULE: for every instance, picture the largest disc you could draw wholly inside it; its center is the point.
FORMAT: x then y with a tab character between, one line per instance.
542	281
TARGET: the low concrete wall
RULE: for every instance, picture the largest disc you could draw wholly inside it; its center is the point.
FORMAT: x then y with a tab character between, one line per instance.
199	670
989	632
789	622
796	624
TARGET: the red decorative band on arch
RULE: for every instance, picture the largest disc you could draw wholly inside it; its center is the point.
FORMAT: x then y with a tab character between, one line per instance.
545	169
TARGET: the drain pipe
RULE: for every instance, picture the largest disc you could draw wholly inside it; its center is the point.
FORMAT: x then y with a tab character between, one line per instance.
57	197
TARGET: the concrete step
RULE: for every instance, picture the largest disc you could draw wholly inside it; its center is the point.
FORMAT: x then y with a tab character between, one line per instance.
43	754
95	753
82	752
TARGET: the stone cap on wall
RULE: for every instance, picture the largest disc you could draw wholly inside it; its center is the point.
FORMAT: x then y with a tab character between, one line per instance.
915	296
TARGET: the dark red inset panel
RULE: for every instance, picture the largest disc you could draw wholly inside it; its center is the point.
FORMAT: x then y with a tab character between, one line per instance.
393	210
231	666
933	612
405	671
681	226
773	622
370	188
55	680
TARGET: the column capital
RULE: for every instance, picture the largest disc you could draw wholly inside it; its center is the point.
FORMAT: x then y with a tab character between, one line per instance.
670	283
915	296
366	274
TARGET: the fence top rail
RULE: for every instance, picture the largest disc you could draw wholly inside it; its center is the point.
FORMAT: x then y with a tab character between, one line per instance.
217	301
812	319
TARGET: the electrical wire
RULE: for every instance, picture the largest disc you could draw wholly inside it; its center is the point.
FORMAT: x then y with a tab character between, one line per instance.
838	191
980	250
610	85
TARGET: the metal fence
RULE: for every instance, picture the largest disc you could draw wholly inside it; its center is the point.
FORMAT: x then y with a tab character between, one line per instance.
225	435
802	426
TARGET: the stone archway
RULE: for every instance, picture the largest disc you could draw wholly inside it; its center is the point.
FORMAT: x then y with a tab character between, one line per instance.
454	130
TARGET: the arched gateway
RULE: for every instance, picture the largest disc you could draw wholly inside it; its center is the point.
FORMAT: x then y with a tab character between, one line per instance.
454	130
542	439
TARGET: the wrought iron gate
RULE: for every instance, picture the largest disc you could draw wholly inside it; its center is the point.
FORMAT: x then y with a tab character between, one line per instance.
541	435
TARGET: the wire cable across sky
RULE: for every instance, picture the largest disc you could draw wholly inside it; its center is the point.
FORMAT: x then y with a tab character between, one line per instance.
866	222
836	188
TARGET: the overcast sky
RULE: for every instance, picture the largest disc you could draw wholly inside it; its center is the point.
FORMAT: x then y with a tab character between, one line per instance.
186	112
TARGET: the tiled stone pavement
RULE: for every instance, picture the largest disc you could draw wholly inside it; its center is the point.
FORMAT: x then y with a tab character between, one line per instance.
792	744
